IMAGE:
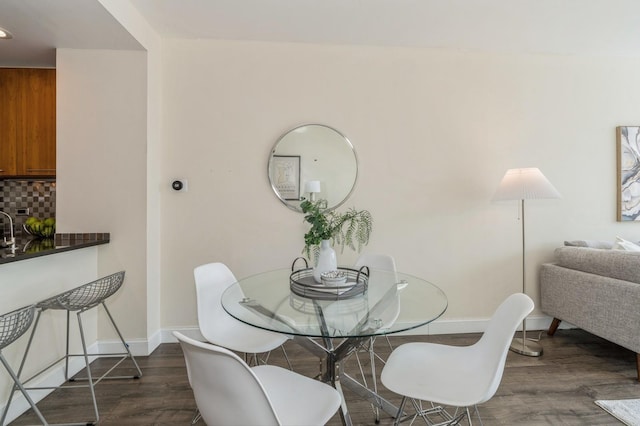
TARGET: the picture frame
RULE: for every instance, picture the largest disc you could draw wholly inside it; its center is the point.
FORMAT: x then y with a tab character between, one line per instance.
286	176
628	173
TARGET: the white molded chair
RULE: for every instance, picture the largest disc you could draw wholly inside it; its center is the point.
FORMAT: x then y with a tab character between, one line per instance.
220	328
381	262
459	376
228	392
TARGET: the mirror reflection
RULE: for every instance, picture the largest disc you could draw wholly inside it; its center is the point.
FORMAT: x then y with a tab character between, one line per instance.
314	162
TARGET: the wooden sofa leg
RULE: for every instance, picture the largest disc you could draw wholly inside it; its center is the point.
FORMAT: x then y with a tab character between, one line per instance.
553	327
638	365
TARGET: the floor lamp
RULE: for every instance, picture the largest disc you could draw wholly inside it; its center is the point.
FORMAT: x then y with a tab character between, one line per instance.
525	184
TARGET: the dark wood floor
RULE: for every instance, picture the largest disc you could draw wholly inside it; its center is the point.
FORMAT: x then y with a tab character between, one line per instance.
558	388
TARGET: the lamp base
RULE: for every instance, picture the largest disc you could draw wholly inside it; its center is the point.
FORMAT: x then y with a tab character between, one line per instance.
526	347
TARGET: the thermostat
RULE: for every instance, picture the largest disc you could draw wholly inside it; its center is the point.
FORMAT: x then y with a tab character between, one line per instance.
180	185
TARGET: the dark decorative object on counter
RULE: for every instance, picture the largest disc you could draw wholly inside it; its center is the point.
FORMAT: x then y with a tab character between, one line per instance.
40	228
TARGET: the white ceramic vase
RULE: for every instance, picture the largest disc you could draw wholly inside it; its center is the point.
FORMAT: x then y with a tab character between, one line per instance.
327	260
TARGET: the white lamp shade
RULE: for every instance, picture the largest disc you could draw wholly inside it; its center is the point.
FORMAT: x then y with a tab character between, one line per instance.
312	186
525	184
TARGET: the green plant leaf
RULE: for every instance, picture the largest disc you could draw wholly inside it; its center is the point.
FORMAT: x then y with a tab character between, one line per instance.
344	229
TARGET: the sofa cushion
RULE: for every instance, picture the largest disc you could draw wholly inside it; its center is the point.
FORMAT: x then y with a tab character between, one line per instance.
618	264
589	243
622	244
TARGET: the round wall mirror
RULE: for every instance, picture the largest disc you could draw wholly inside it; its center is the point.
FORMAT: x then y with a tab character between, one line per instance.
313	162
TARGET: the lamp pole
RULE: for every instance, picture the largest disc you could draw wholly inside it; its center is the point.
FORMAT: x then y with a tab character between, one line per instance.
523	345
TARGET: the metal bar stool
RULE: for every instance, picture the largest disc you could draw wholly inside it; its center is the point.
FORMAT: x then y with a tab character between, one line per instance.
80	300
13	325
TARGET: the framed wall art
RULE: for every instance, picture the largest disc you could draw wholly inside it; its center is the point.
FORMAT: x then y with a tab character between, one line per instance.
628	171
286	176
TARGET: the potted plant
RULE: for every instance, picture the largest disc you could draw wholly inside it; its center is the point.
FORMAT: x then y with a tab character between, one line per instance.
351	228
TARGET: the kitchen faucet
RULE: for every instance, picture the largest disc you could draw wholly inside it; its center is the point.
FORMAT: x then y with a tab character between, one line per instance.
12	242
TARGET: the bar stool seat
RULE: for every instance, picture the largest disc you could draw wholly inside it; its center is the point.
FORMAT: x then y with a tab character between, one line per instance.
13	325
80	300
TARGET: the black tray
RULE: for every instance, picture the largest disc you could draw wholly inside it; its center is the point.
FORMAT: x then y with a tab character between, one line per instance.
303	284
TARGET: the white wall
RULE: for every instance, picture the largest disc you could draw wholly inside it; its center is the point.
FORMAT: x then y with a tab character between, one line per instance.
131	19
434	131
101	179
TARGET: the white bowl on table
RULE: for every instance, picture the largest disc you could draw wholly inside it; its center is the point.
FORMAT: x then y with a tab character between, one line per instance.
333	278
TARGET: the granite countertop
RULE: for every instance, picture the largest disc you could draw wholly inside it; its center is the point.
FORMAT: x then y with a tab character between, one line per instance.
28	247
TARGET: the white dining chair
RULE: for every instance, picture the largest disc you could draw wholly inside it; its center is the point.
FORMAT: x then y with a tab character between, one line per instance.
228	392
381	262
220	328
457	376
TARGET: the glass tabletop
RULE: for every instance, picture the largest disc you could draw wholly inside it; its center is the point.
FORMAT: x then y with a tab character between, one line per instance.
385	302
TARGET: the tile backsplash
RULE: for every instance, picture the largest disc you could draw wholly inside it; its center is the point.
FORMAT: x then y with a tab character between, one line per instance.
38	195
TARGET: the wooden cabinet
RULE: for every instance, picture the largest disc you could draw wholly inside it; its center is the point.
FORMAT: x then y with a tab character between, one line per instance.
9	88
27	122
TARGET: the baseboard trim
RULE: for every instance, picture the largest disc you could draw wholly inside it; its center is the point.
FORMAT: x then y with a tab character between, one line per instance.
191	332
138	347
478	325
142	347
441	326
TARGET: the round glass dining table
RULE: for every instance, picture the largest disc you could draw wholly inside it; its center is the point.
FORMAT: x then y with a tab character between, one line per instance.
332	322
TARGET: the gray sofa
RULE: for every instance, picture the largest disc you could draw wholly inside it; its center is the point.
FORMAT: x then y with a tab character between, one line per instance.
597	290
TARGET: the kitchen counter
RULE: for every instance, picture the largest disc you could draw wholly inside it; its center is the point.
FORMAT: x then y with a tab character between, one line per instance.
28	247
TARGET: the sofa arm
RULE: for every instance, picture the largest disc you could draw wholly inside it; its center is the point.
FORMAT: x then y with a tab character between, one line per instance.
603	306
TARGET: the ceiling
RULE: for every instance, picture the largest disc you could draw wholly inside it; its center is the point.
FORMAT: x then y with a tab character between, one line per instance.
41	26
563	27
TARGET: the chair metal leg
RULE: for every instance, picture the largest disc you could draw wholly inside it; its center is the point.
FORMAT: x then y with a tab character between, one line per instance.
372	356
386	336
423	412
126	346
372	360
252	359
124	355
376	411
396	421
24	358
18	384
66	358
286	357
448	419
477	414
196	417
265	361
87	365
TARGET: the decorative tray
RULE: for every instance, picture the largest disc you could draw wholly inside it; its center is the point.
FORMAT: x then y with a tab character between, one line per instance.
303	284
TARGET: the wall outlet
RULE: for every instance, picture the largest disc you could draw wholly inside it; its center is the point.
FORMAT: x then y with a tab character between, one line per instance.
23	212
